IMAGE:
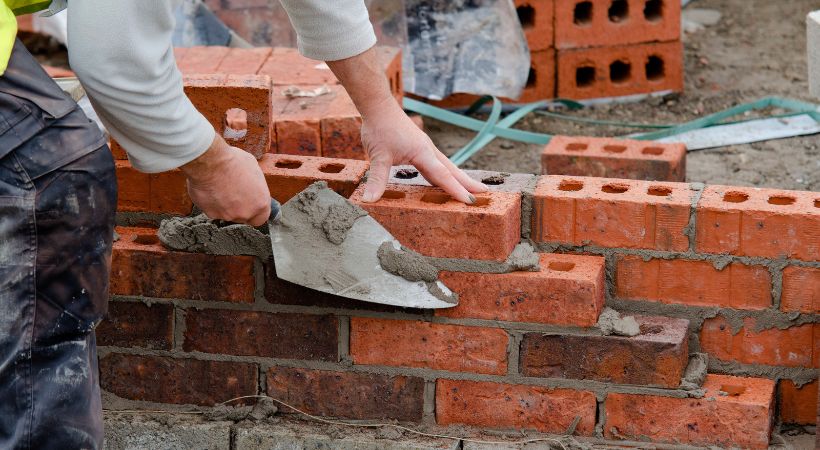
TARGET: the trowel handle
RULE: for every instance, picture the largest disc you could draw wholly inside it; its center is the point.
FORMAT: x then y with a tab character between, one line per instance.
275	211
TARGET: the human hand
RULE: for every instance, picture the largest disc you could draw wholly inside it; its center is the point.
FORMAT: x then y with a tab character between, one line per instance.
226	183
391	138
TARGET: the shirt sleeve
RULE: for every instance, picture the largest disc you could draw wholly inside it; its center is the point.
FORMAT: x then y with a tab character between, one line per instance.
330	30
122	53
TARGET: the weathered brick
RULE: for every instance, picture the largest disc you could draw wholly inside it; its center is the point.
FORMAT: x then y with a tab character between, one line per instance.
287	175
790	347
614	158
349	395
429	345
611	212
430	222
522	407
272	335
801	289
696	283
740	417
141	266
568	290
173	380
658	356
798	404
165	192
131	324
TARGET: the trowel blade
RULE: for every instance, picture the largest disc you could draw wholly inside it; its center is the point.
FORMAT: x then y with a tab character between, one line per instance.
350	269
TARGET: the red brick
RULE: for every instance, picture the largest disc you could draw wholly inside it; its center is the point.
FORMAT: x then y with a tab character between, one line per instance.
141	266
607	23
798	404
421	344
391	59
602	72
348	395
742	420
611	212
790	347
201	59
244	61
215	94
287	175
179	54
522	407
536	17
250	333
117	150
696	283
130	324
614	158
430	222
771	223
341	127
568	290
180	381
165	192
658	356
801	290
287	67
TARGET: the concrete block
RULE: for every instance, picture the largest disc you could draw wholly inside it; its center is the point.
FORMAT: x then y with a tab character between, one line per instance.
126	432
813	39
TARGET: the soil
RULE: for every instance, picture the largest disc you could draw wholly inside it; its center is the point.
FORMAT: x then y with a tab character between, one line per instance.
757	49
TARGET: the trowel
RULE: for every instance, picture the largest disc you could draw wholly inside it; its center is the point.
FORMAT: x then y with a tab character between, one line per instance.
324	242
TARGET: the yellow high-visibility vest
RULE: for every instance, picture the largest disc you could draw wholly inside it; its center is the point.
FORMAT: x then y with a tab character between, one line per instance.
9	9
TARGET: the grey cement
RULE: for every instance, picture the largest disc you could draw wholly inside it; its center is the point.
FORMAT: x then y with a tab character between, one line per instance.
203	235
612	323
798	375
813	41
696	370
324	213
261	410
129	432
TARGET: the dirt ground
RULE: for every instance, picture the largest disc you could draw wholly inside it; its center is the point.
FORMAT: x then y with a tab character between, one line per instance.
757	49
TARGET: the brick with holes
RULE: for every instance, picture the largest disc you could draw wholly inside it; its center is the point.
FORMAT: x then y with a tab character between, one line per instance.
620	70
614	158
612	212
287	175
604	23
770	223
430	222
536	17
494	181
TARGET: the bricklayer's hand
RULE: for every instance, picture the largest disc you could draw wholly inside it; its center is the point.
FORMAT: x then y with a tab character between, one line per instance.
226	183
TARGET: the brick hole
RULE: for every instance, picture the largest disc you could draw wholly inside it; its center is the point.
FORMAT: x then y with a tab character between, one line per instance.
436	197
288	164
392	84
561	266
531	78
577	147
584	76
615	188
614	148
655	68
393	195
526	15
481	202
570	185
652	151
618	11
620	72
582	15
660	191
236	124
406	174
653	10
146	239
817	203
651	329
781	200
331	168
732	390
735	197
494	180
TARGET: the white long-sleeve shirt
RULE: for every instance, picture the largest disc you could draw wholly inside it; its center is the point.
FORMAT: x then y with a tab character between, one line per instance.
122	53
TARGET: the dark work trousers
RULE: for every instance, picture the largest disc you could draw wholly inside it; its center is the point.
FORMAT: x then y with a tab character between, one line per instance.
57	201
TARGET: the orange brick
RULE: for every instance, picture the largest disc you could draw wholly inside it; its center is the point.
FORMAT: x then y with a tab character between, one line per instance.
213	95
430	222
287	175
165	192
244	61
141	266
801	289
771	223
611	212
117	150
429	345
536	17
619	71
390	58
522	407
798	404
696	283
287	67
790	347
614	158
341	128
200	59
596	23
569	290
741	419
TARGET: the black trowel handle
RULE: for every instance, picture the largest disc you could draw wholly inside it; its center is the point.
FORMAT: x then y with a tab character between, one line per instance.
275	211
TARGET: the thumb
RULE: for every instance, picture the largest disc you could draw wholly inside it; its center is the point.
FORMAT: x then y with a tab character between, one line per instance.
380	165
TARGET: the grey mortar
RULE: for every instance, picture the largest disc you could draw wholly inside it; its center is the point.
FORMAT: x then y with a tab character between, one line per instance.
689	230
137	219
695	372
612	323
334	219
203	235
800	376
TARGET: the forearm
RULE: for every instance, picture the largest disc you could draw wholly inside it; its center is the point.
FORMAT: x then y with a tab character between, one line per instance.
365	82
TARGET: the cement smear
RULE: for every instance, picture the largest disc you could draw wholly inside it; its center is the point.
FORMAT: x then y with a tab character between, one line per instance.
696	370
334	218
264	408
612	323
406	263
203	235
